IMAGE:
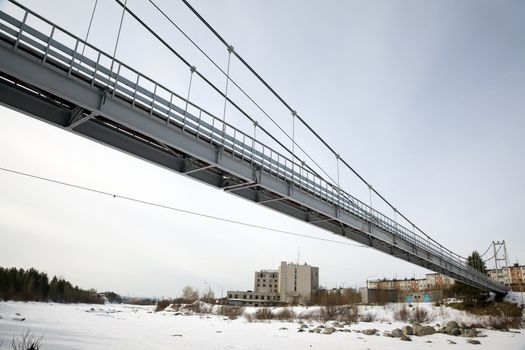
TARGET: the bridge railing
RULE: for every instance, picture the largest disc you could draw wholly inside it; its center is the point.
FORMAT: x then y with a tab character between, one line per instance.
84	61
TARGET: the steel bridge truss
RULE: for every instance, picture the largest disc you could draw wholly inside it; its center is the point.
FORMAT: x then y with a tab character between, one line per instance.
109	102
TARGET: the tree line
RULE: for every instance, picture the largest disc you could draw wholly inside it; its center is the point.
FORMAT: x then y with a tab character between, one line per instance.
33	285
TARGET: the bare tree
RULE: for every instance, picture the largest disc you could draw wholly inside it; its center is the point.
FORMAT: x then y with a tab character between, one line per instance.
190	294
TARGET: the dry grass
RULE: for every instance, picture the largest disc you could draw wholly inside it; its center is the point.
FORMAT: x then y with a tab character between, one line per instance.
232	312
27	341
420	315
402	313
263	313
285	314
347	313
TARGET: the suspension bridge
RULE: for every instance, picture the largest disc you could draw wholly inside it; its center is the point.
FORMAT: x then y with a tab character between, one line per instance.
47	75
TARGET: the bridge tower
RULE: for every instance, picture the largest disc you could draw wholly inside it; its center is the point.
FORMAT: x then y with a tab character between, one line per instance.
501	261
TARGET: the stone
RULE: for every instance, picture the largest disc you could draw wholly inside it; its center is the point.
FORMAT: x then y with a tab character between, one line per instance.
370	331
300	330
407	330
451	342
471	333
303	326
424	330
283	329
397	333
455	331
388	334
405	338
329	330
474	341
451	325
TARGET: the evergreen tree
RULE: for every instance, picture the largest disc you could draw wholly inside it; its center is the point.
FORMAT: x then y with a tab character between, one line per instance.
471	295
32	285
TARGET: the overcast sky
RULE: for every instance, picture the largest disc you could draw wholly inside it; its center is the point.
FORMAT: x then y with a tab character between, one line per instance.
425	99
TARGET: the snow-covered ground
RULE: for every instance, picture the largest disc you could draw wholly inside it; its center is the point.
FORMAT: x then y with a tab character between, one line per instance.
81	326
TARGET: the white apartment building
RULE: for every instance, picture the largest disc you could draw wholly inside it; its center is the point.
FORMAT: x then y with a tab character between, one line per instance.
513	276
291	283
297	282
432	281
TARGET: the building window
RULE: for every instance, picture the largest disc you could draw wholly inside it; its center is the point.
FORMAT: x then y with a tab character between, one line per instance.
244	296
256	297
231	295
295	288
236	296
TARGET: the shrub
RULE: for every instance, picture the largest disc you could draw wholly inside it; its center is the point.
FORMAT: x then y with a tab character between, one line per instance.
368	317
419	315
347	314
402	313
327	313
285	314
263	313
232	312
162	304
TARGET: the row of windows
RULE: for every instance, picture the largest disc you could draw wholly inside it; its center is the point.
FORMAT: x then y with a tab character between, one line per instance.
273	275
271	280
262	297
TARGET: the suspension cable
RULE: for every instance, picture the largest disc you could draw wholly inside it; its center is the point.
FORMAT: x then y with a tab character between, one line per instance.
89	27
245	94
486	251
258	76
213	86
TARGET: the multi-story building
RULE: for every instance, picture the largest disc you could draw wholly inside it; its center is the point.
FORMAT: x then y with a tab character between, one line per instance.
291	283
432	281
297	282
513	276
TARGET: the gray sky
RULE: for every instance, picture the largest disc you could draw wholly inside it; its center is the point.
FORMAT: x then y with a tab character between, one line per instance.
425	99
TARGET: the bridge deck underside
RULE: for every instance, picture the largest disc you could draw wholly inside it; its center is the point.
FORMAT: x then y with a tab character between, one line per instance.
53	93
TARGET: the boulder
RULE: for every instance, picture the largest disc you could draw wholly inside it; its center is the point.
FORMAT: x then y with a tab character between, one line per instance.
474	341
407	330
455	331
388	334
397	333
470	333
451	325
405	337
329	330
424	330
370	331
